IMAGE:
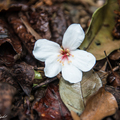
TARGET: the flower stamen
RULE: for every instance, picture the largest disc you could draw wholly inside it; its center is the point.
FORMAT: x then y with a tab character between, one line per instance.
69	61
64	55
72	55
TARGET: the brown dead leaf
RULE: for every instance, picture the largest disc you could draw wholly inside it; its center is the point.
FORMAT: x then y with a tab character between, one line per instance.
100	105
4	4
8	40
20	76
115	55
75	116
26	38
51	106
31	30
13	4
23	74
39	21
113	79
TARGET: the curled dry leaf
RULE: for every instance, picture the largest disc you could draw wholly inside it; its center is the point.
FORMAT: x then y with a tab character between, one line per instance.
98	106
75	95
27	39
113	79
51	106
99	36
114	92
30	29
8	40
115	55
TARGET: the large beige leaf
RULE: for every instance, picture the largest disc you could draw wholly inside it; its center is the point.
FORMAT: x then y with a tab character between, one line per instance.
75	95
99	35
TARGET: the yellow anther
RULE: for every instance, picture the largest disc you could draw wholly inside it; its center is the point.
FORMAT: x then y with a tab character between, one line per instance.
72	55
69	61
59	55
68	54
61	50
58	59
67	50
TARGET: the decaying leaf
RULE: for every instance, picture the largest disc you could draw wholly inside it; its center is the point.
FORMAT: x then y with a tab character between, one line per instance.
40	23
115	55
27	39
21	4
113	79
51	106
75	95
8	40
6	96
21	76
99	35
98	106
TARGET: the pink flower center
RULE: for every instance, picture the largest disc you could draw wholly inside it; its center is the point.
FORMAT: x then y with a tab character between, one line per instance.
64	55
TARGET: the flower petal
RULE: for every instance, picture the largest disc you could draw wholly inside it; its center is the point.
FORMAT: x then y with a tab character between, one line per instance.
83	60
71	73
44	48
73	37
52	66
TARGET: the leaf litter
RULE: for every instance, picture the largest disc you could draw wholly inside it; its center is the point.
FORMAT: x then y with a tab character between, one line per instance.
19	23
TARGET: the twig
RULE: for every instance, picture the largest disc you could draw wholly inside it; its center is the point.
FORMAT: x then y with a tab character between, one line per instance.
108	62
39	68
44	83
29	28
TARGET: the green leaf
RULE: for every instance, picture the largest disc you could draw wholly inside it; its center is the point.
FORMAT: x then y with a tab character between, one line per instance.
34	85
99	35
75	95
37	75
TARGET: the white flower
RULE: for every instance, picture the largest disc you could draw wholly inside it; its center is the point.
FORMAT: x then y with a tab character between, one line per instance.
69	60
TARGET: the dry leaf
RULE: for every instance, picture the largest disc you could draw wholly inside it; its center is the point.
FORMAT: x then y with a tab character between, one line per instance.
99	35
51	107
26	38
31	30
100	105
75	95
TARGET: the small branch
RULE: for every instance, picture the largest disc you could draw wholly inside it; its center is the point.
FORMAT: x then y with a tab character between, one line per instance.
39	68
108	62
29	28
44	83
